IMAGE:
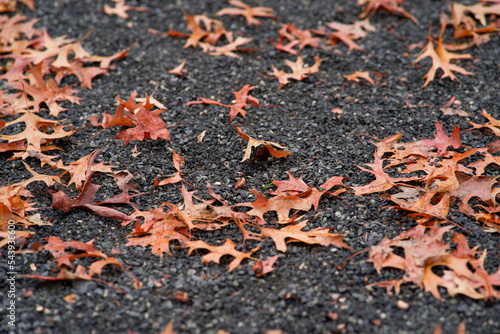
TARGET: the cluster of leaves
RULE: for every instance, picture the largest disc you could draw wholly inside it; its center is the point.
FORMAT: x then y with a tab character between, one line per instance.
425	252
428	179
36	65
58	249
169	222
433	177
464	26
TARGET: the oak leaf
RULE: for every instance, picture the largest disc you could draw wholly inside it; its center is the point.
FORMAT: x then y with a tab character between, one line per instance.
294	233
248	12
304	37
382	182
58	249
179	70
216	252
288	47
228	49
263	267
441	58
45	92
281	204
158	232
85	200
212	31
360	74
77	170
118	119
479	11
441	141
120	9
14	205
474	186
299	71
13	29
392	6
242	99
297	186
33	137
347	33
276	150
492	124
425	250
148	124
178	161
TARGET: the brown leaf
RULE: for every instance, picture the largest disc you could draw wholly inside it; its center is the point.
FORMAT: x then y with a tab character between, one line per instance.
441	58
120	9
276	150
178	70
34	137
347	33
263	267
392	6
85	200
248	12
181	296
216	252
148	125
357	75
294	233
442	141
299	72
242	99
178	161
169	329
58	249
228	49
77	170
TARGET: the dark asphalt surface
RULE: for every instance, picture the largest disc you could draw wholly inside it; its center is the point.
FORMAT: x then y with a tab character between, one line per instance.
307	293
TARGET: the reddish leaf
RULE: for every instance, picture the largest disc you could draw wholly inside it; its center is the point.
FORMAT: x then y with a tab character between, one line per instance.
242	99
442	141
85	200
263	267
178	161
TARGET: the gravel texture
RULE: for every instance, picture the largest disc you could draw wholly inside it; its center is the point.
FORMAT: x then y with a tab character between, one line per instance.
311	291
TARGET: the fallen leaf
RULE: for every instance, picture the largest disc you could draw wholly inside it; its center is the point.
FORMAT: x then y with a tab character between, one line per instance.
216	252
357	75
178	70
276	150
263	267
248	12
201	136
242	99
392	6
441	58
178	161
120	9
299	71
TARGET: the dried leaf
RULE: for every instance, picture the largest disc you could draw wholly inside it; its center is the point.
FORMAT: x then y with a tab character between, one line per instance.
276	150
299	72
248	12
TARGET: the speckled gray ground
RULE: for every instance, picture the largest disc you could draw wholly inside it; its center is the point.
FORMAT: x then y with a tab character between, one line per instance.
307	286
